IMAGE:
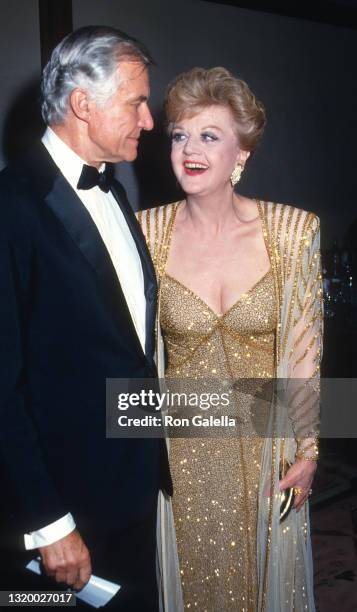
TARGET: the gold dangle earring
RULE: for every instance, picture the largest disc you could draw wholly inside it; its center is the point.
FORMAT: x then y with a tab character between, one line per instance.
236	174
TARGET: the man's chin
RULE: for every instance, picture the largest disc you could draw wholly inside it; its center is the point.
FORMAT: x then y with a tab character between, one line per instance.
130	157
127	157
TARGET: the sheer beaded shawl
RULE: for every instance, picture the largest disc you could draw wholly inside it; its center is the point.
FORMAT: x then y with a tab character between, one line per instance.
284	560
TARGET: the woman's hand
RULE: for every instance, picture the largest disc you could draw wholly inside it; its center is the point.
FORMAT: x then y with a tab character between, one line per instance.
299	476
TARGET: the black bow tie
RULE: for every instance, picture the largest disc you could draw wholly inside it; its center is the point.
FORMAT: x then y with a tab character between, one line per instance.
90	177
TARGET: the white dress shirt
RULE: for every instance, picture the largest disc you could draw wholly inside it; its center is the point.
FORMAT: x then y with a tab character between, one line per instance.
113	228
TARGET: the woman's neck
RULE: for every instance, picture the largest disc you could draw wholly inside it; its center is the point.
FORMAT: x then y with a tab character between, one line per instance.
214	213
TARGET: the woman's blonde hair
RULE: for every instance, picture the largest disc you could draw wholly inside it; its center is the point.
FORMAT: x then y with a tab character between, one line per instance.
192	91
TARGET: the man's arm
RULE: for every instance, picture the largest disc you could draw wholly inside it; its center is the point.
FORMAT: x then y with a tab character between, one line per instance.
33	493
51	533
35	500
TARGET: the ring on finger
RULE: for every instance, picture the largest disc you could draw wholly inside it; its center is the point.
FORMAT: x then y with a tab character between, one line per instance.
297	491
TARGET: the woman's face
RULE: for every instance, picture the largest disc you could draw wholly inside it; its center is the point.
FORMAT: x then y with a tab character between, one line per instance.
205	150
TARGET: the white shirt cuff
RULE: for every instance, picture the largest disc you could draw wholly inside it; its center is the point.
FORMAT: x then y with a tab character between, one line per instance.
51	533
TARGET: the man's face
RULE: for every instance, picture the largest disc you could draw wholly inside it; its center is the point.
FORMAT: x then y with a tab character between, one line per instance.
114	129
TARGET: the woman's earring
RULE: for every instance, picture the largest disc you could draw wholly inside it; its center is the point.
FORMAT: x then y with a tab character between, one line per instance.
236	174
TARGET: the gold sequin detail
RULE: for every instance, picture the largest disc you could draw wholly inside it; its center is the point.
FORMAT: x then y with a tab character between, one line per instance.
216	479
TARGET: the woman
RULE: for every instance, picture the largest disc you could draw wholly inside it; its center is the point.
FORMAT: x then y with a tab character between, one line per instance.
240	298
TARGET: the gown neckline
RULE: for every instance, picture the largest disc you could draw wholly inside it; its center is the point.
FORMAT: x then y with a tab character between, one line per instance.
235	303
195	295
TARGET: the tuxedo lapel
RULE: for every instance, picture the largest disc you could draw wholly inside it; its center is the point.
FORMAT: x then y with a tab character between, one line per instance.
59	196
150	284
77	221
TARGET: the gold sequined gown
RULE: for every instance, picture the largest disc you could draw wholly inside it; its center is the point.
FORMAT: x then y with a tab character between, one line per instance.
216	478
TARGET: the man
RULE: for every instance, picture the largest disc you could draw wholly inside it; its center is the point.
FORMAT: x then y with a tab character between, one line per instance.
78	296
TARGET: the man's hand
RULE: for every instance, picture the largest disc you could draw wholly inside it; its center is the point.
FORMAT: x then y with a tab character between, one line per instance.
68	561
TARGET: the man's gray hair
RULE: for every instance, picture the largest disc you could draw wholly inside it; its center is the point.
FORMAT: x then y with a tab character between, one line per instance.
87	58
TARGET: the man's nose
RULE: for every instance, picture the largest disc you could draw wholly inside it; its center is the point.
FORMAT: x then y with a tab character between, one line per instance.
146	120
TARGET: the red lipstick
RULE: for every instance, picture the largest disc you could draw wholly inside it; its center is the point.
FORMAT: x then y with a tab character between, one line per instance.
193	168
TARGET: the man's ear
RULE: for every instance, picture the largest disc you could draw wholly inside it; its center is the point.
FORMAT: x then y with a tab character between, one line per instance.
80	104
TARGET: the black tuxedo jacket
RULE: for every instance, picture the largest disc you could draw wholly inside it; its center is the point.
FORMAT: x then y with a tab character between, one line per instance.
65	328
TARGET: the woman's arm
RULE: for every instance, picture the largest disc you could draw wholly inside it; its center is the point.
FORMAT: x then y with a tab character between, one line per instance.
303	389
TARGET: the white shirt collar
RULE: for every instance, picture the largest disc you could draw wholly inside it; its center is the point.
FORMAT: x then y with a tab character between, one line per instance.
69	163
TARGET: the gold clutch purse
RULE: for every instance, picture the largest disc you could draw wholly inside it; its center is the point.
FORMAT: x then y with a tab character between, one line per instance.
287	496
